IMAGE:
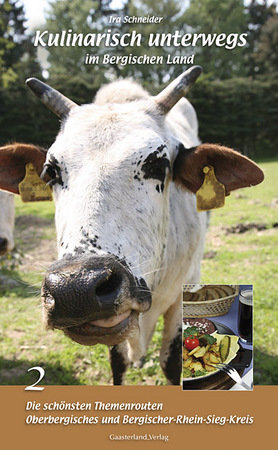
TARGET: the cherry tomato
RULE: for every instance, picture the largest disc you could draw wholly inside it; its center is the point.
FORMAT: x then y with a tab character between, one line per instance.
191	342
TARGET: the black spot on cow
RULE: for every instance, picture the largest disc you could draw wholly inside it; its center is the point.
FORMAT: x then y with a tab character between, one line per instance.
161	148
88	242
84	232
93	240
118	250
78	250
155	166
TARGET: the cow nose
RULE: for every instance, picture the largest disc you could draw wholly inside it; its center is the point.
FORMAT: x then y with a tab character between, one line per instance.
104	286
3	245
108	287
77	290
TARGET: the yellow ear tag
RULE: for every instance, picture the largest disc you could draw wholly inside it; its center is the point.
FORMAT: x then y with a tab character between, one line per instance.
212	193
32	188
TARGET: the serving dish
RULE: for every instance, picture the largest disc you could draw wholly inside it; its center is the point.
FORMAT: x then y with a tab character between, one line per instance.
219	380
218	306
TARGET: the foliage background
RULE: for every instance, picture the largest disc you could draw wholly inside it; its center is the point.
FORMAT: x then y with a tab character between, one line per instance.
236	98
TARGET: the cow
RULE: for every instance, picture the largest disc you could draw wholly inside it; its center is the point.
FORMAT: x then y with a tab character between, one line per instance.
124	171
6	222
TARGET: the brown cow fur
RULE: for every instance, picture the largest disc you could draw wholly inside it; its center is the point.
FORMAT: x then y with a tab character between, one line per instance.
231	168
13	158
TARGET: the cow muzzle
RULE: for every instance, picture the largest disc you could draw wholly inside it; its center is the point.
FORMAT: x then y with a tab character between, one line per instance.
93	299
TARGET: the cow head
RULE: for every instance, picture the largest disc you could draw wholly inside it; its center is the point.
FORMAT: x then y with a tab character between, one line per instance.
111	168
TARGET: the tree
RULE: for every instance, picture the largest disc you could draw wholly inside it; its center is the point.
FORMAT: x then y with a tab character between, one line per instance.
81	17
94	17
266	55
238	112
12	38
154	75
258	14
17	53
212	16
17	62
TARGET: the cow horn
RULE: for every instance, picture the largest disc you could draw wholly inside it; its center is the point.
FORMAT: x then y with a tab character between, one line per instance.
53	99
167	98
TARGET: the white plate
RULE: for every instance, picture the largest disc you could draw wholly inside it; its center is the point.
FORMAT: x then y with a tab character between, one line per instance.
232	354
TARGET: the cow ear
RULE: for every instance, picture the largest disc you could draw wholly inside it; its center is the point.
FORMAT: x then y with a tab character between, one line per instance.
13	159
231	168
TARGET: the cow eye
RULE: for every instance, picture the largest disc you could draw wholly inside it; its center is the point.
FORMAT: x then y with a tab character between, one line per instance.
51	174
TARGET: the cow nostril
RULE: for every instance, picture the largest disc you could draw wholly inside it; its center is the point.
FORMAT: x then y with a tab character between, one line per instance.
110	286
3	244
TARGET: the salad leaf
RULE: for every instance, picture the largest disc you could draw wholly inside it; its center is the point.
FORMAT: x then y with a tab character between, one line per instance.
191	331
199	373
186	373
206	339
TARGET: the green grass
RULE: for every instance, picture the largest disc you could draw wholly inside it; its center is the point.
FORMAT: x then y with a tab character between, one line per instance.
250	257
44	210
23	341
24	344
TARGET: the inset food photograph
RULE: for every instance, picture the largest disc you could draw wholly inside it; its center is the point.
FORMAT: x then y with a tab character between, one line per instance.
217	345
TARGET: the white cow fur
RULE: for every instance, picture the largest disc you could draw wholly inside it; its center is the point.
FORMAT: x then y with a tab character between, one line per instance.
7	218
160	235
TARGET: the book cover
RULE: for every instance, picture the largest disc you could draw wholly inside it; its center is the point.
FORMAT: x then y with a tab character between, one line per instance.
138	159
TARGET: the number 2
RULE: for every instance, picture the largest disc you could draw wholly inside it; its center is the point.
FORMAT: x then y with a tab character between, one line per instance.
33	387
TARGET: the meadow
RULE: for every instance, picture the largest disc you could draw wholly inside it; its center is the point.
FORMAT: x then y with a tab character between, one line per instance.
242	248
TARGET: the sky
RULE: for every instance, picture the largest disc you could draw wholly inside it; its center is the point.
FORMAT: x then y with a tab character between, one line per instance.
35	15
35	10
